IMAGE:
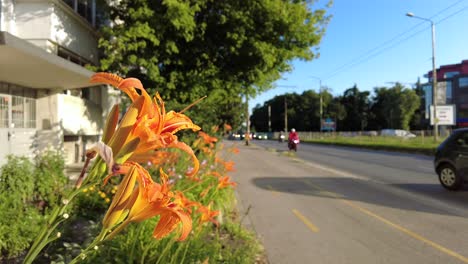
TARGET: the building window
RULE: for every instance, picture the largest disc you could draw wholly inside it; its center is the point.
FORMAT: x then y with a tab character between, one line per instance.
17	106
463	82
23	112
448	75
4	120
85	8
448	93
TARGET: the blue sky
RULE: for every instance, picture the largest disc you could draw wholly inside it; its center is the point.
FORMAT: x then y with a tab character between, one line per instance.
372	42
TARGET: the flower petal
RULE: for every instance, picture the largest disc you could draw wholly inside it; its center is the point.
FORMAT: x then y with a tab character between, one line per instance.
107	78
184	147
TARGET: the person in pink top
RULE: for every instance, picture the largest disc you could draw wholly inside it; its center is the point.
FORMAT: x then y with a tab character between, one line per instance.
293	140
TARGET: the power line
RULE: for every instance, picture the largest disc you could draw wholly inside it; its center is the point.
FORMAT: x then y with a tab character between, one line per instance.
382	47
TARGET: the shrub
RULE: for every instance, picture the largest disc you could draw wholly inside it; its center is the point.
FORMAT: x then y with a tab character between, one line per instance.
27	189
17	180
50	179
93	202
16	236
16	197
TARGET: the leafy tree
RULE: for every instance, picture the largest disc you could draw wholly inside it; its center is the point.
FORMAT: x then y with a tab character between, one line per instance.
356	106
336	110
417	120
187	49
394	107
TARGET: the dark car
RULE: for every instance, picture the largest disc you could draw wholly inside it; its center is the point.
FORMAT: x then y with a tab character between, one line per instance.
451	160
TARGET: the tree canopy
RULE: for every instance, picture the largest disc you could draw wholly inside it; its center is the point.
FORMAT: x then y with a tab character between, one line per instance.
186	49
354	110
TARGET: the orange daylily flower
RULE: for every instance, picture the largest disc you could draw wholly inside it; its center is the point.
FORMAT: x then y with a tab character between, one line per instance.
227	127
207	138
224	182
228	165
216	174
207	215
153	199
235	150
147	120
146	200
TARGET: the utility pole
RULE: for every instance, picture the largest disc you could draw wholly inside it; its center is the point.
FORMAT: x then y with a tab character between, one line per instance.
285	108
285	115
321	100
247	121
269	118
434	75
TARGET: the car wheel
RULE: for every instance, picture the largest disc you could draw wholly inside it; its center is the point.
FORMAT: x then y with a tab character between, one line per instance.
449	178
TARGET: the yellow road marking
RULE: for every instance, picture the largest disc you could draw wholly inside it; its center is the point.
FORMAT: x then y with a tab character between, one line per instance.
306	221
402	229
272	190
409	232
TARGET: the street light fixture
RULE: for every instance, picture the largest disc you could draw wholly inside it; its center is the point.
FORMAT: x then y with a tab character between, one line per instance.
434	74
321	100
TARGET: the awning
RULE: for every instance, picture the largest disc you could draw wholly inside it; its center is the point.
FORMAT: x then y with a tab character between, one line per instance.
25	64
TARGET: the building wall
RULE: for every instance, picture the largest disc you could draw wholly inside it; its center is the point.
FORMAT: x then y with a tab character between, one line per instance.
78	116
73	32
70	120
7	16
53	24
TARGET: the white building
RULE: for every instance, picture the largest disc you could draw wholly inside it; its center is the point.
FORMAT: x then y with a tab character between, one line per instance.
45	97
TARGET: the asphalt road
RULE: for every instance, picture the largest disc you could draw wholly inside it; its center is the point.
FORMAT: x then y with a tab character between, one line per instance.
343	205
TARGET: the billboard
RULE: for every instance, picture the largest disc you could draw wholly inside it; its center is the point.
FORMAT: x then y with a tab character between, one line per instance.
445	115
328	124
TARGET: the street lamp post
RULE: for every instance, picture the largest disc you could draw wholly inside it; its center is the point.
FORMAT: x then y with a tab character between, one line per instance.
434	75
321	100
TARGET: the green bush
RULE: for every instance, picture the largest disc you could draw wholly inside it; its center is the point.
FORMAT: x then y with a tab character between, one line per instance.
16	235
17	180
50	179
27	190
93	202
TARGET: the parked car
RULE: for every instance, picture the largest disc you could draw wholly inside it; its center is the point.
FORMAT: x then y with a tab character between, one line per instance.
451	160
397	133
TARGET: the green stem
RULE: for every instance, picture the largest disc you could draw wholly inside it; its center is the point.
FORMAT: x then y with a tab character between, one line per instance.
97	241
185	252
52	223
118	229
166	248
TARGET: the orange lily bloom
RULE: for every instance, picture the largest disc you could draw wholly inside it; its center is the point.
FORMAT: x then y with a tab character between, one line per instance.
207	215
207	138
228	165
147	120
227	127
146	200
235	150
224	182
151	199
